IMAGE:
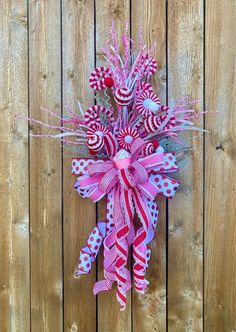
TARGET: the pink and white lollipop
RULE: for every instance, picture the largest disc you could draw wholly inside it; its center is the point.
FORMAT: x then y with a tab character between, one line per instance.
147	103
92	115
126	137
101	78
95	138
123	96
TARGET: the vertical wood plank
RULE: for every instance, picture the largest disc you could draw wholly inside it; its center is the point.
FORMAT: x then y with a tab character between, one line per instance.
14	214
220	208
110	318
149	310
45	168
79	214
185	234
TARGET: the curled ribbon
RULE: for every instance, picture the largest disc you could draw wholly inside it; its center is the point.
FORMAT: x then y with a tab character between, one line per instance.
130	184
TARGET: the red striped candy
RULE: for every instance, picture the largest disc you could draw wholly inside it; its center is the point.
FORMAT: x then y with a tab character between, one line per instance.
92	118
98	78
95	138
152	123
146	66
146	87
149	149
126	137
143	102
123	96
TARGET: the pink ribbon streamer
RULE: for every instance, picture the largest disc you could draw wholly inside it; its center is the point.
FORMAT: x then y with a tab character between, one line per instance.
129	185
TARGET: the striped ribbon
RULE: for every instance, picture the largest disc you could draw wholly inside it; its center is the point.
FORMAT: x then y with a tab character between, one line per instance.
130	188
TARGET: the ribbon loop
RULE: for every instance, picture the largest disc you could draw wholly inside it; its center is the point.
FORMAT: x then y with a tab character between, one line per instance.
128	189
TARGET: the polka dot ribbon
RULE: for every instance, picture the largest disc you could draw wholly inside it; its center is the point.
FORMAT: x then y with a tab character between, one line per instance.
129	189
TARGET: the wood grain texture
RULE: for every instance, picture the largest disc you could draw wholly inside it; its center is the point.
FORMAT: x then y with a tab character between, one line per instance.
79	214
185	234
45	168
110	318
14	216
47	51
149	311
220	186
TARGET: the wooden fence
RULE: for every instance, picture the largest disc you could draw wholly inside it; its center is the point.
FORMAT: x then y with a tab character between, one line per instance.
47	51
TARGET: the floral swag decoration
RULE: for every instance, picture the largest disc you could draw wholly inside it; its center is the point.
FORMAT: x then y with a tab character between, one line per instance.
125	138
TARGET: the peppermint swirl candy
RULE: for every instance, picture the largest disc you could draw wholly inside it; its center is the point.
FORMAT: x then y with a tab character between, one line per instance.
147	103
146	87
92	118
146	66
95	138
143	87
149	149
101	78
126	137
123	96
153	122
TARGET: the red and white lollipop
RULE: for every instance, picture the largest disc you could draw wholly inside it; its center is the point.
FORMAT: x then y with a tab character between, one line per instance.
126	137
101	78
148	103
95	138
123	96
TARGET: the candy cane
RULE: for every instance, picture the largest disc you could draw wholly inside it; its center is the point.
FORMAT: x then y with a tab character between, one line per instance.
153	122
146	66
92	115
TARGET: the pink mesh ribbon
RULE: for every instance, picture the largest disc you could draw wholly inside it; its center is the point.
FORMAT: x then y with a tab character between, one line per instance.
130	184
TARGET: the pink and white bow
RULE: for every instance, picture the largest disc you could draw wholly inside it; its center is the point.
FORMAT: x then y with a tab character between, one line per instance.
130	184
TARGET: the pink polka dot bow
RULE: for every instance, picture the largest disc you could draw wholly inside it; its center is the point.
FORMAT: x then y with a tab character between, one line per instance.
130	183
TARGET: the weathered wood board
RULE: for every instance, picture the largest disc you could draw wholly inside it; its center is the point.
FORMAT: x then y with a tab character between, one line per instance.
185	217
14	171
45	168
79	216
220	160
